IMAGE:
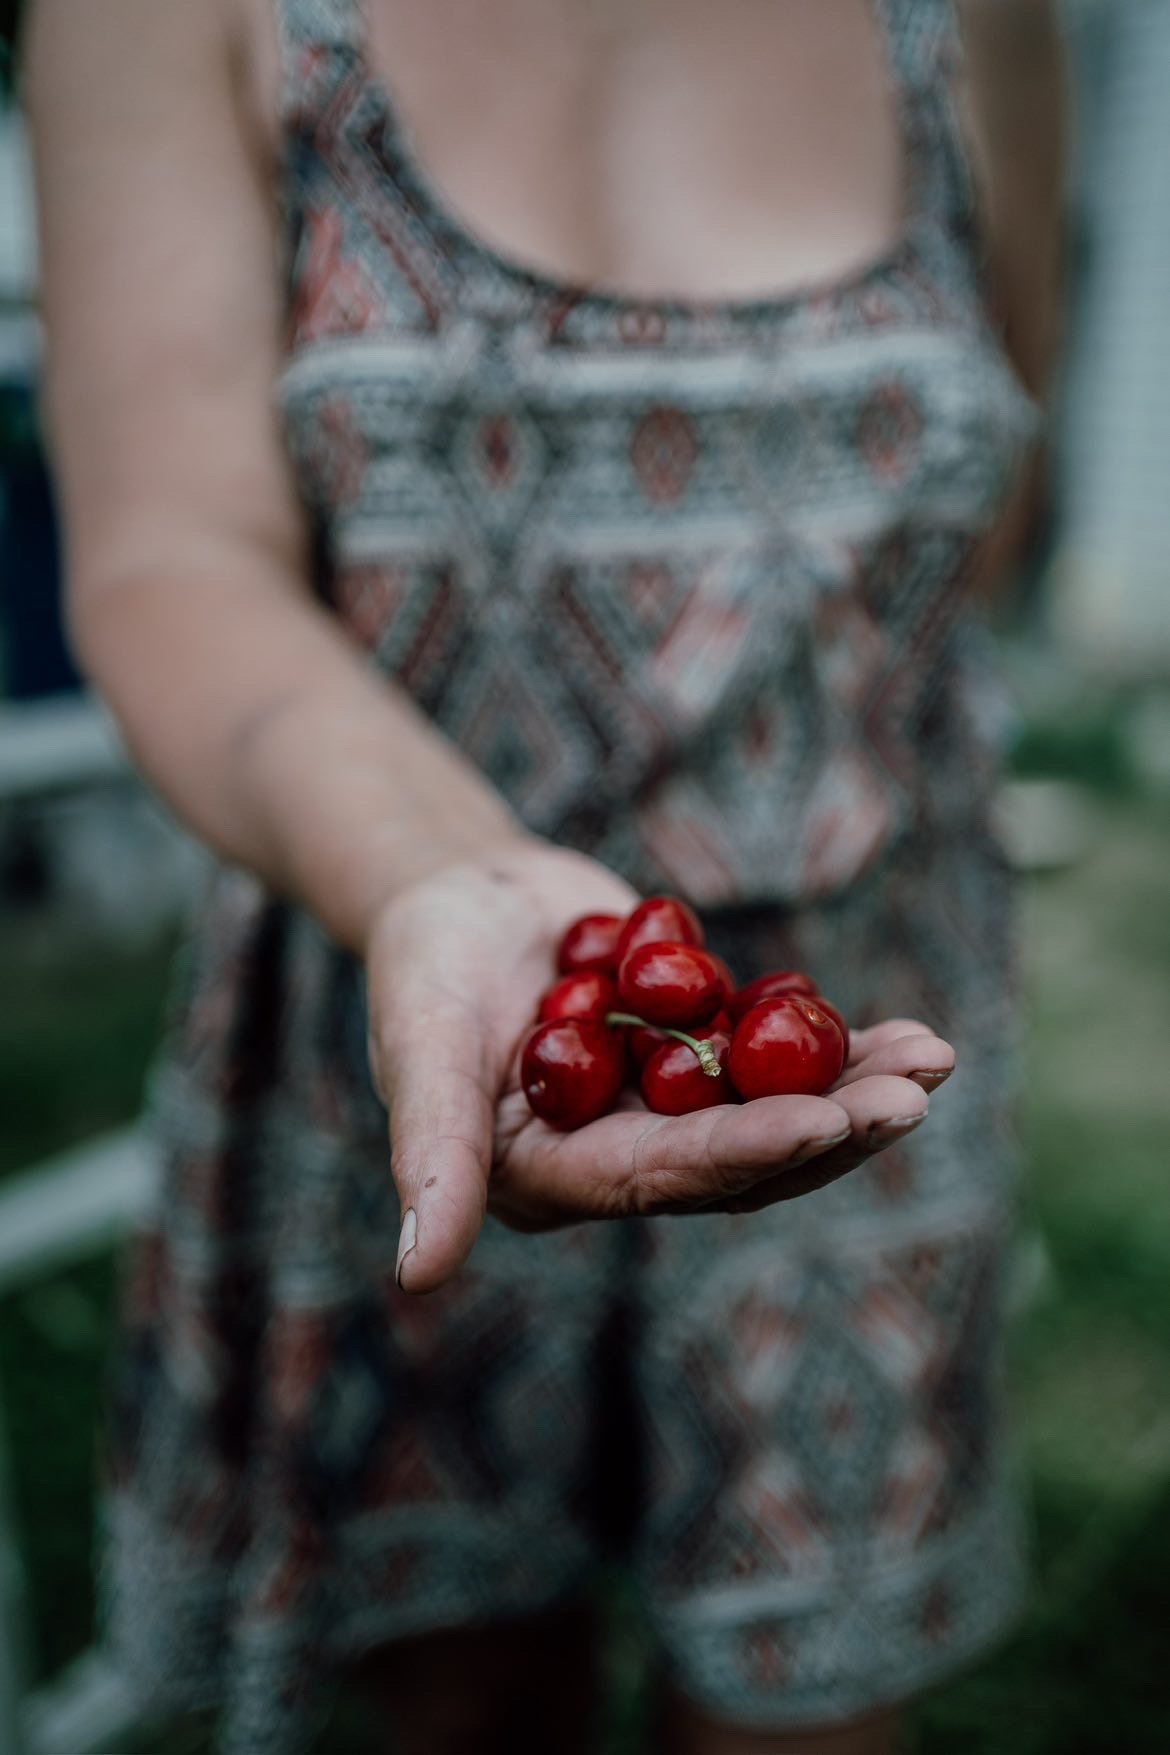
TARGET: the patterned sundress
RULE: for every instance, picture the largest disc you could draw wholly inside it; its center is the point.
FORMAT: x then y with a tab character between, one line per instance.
688	583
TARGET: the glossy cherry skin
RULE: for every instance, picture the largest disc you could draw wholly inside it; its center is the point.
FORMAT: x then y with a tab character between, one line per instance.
826	1006
671	984
673	1082
645	1042
729	982
780	981
591	943
572	1071
785	1047
659	920
589	994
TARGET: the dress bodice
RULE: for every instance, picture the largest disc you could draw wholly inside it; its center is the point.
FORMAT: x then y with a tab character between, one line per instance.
685	580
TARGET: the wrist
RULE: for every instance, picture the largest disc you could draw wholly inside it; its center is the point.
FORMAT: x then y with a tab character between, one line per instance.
500	845
354	801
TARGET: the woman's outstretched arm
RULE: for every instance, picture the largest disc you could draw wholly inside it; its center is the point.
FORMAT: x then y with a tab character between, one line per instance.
258	720
189	593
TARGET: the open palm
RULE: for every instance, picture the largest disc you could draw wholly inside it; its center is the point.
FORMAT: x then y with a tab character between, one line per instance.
735	1158
456	969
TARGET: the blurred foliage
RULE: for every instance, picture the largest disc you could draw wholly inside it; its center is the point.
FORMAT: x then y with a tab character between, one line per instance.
1098	729
53	1344
10	14
19	426
1087	745
76	1034
75	1037
1085	1673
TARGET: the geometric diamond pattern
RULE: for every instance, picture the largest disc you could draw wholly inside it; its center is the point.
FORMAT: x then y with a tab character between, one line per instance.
692	563
687	584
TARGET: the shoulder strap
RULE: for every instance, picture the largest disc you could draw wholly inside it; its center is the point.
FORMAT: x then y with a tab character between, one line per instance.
926	56
319	23
315	37
922	36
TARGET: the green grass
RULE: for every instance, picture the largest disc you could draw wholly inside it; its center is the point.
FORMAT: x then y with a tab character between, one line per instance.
1090	1362
1086	1673
75	1037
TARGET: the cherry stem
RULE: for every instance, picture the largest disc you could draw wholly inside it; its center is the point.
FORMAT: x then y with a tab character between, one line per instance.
708	1059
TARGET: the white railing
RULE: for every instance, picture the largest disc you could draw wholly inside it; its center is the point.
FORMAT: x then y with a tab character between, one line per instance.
63	743
52	1215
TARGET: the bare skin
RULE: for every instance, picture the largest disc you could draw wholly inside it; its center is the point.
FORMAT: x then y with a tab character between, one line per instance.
523	1688
684	1729
660	146
245	702
668	146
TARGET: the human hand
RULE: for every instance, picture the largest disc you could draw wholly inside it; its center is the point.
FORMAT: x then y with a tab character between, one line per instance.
456	966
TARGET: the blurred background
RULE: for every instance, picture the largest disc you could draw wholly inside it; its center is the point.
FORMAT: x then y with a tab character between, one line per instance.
94	882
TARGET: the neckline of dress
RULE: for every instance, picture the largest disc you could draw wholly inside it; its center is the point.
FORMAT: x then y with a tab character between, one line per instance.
468	249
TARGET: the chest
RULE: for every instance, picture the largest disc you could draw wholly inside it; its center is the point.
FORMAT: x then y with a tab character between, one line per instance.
682	148
442	384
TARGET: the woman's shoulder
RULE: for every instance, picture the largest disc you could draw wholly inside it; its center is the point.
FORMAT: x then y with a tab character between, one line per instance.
116	47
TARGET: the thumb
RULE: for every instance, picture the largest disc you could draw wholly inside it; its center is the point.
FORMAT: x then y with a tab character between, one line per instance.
434	1071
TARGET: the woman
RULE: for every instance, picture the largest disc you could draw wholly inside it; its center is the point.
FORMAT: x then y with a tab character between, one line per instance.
556	480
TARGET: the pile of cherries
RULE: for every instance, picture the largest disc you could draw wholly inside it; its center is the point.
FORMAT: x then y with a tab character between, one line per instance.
642	999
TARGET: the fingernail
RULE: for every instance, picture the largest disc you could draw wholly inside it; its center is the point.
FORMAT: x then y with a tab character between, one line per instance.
813	1148
407	1238
885	1132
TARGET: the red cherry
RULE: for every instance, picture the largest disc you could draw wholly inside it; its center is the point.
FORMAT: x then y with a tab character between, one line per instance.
725	975
785	1047
644	1041
820	1000
591	943
673	1082
572	1070
780	981
659	920
670	984
589	994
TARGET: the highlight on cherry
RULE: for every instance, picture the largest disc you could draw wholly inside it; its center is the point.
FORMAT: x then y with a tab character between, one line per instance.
640	1004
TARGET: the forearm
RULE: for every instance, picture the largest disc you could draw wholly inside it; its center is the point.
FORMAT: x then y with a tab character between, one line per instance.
241	698
262	726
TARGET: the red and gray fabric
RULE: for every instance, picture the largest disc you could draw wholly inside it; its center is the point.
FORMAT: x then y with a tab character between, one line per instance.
687	582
